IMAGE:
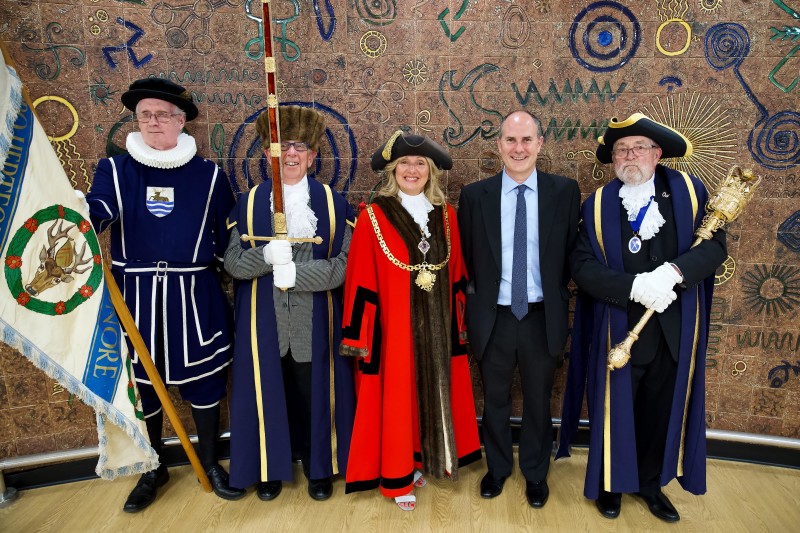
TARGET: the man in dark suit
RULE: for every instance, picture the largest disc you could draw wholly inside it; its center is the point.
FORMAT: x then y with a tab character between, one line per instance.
634	252
517	230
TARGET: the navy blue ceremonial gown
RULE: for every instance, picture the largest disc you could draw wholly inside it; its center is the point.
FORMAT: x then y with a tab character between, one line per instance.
603	322
260	442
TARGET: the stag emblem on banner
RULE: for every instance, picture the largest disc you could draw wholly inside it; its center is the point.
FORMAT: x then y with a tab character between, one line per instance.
53	263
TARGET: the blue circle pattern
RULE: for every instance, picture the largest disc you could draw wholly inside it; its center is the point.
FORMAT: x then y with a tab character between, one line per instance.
625	24
604	38
254	150
789	232
774	142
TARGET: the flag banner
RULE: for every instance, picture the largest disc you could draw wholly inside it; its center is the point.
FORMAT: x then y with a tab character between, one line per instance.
55	307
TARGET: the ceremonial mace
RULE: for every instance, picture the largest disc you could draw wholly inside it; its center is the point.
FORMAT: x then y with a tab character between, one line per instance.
724	206
278	210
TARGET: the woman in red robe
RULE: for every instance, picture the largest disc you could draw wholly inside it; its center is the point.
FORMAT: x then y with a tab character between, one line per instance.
404	319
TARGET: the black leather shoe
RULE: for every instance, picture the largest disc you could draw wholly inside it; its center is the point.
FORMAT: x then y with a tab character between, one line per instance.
661	507
219	482
269	490
491	487
320	489
537	493
144	493
609	503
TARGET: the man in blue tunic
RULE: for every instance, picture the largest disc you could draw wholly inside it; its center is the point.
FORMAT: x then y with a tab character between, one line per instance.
293	394
166	209
634	252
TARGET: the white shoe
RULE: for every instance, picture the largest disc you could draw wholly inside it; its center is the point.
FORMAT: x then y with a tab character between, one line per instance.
407	502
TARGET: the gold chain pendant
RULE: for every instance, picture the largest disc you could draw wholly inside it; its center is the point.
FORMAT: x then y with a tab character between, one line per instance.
425	279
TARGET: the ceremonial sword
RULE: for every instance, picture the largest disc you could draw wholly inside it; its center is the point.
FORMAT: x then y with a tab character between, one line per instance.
278	209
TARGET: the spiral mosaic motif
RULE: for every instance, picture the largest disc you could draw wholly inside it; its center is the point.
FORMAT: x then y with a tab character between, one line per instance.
377	12
726	45
775	141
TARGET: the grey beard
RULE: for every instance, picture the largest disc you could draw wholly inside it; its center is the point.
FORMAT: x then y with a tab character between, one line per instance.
633	176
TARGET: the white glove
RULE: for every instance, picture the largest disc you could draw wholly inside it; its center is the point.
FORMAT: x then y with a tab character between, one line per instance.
660	283
278	252
666	275
82	199
654	289
640	291
284	276
661	303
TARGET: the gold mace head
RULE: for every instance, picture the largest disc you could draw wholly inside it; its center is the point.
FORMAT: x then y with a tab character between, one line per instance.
733	194
728	201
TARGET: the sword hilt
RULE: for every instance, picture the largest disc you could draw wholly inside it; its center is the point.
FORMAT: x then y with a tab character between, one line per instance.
247	238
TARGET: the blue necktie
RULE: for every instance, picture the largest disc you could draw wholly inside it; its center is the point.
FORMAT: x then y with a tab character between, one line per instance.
519	265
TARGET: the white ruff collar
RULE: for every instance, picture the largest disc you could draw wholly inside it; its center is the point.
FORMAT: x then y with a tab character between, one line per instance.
166	159
418	207
300	218
634	197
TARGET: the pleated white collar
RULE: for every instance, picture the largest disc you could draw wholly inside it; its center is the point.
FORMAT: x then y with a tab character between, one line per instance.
166	159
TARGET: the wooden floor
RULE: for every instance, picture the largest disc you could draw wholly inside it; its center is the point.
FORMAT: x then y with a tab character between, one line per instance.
741	497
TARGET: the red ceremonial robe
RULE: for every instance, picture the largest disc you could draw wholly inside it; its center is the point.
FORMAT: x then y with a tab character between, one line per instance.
415	408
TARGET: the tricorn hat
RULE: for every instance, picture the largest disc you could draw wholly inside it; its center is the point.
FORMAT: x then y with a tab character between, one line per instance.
671	142
400	145
163	90
297	124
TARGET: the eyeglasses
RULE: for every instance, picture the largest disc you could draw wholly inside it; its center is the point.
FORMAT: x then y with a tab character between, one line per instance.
638	151
162	116
298	146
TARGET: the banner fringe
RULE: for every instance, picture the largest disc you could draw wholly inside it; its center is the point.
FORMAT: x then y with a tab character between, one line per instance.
104	410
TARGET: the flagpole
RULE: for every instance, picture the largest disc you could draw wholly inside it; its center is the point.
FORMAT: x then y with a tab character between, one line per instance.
127	322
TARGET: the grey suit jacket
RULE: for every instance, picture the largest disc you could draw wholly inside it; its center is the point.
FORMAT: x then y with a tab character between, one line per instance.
293	308
479	223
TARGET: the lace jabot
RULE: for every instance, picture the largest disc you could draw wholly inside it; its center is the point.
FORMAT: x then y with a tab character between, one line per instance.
418	207
634	197
301	221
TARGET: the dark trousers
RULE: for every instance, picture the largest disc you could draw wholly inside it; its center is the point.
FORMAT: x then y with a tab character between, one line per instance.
297	386
518	344
653	386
